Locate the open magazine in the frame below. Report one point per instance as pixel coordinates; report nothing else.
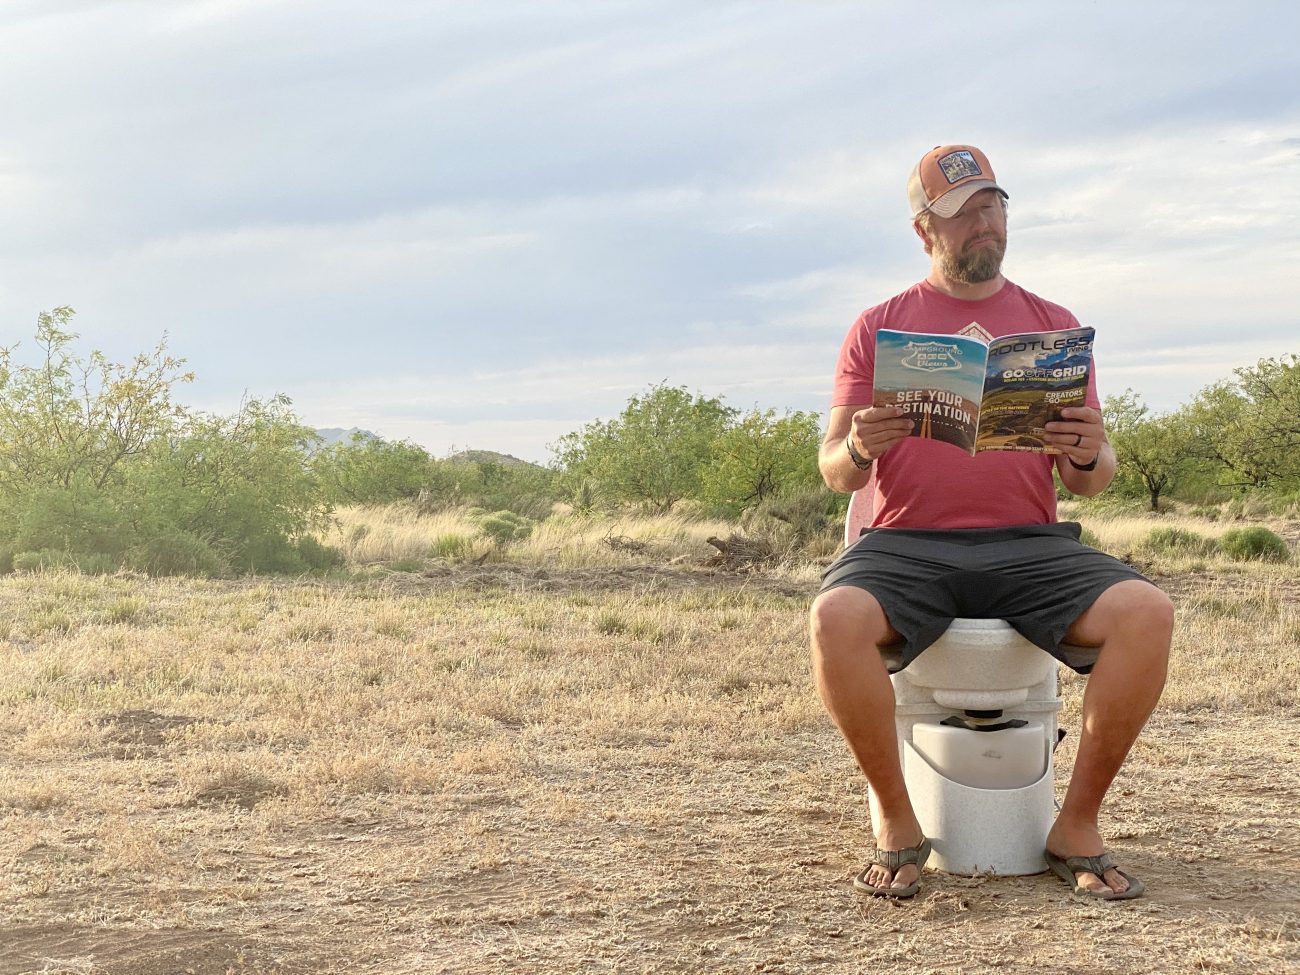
(978, 396)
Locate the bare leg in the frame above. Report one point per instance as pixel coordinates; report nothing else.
(1132, 622)
(848, 628)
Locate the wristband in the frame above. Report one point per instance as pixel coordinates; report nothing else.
(860, 462)
(1091, 465)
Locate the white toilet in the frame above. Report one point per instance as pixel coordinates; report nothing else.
(982, 784)
(977, 724)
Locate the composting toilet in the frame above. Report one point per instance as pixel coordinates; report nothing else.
(976, 714)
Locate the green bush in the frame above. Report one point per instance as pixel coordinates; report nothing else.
(318, 557)
(505, 526)
(75, 518)
(370, 470)
(1176, 541)
(241, 481)
(1255, 543)
(177, 553)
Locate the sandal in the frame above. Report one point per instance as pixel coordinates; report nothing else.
(1068, 868)
(893, 860)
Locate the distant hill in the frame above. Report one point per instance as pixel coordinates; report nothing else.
(491, 456)
(332, 435)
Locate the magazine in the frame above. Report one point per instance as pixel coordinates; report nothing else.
(983, 396)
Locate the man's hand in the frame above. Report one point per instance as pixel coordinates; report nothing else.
(1079, 434)
(878, 428)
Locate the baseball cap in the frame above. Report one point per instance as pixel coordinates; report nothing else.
(948, 176)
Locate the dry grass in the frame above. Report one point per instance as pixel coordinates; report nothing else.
(399, 533)
(544, 765)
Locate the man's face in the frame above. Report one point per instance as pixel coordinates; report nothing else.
(969, 247)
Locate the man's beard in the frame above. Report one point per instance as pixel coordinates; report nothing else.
(979, 265)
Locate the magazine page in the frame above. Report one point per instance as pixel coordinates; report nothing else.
(1029, 378)
(936, 379)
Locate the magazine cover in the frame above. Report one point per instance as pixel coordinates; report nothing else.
(1029, 378)
(979, 397)
(938, 380)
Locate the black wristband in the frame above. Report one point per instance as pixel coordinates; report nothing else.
(860, 462)
(1091, 465)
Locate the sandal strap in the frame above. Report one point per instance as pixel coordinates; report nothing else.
(1097, 865)
(891, 860)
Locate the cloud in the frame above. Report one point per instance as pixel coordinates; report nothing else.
(505, 218)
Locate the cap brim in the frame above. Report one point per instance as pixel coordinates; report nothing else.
(952, 201)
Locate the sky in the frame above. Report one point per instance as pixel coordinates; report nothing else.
(480, 224)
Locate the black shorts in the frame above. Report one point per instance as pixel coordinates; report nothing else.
(1039, 578)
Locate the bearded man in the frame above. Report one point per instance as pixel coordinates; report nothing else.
(952, 535)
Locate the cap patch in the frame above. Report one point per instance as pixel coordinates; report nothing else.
(958, 165)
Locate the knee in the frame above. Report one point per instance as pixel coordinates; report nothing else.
(1154, 611)
(844, 619)
(1143, 609)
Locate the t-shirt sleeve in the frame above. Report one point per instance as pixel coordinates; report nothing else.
(856, 366)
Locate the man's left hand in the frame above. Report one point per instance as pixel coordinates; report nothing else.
(1078, 433)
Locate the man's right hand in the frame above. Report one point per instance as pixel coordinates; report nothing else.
(878, 428)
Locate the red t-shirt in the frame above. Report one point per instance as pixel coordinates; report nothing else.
(928, 483)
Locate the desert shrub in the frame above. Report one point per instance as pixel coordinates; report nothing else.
(99, 461)
(760, 456)
(1254, 543)
(242, 481)
(72, 518)
(1089, 537)
(1176, 541)
(505, 526)
(798, 519)
(493, 482)
(653, 455)
(317, 556)
(177, 553)
(371, 470)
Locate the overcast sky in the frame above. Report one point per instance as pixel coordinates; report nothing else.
(483, 224)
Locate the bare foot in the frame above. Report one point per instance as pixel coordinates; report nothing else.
(890, 837)
(1068, 839)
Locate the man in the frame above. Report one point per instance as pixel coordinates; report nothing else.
(941, 521)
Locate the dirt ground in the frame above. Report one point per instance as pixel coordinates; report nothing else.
(712, 830)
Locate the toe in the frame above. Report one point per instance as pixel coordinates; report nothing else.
(1116, 881)
(879, 876)
(1091, 882)
(907, 875)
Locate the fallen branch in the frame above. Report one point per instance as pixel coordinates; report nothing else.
(622, 543)
(738, 552)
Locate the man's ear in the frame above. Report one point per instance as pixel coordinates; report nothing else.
(920, 232)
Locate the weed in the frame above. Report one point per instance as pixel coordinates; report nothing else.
(1254, 543)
